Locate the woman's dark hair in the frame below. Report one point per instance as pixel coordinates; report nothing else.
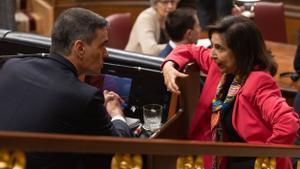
(74, 24)
(247, 44)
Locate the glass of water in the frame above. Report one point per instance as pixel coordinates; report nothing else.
(152, 116)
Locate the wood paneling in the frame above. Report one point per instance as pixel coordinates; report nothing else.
(292, 26)
(290, 2)
(42, 11)
(105, 7)
(46, 142)
(292, 19)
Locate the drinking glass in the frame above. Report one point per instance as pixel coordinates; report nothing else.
(152, 116)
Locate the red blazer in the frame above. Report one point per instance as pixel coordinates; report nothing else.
(260, 113)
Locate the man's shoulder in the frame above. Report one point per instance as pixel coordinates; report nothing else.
(20, 64)
(45, 70)
(18, 60)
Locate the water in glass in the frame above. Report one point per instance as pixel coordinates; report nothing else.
(152, 116)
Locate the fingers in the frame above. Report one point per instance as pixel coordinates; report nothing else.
(171, 84)
(182, 75)
(112, 96)
(122, 101)
(174, 88)
(170, 76)
(118, 97)
(112, 93)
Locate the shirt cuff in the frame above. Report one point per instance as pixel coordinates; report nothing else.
(118, 117)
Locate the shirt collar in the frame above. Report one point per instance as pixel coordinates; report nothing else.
(61, 59)
(172, 44)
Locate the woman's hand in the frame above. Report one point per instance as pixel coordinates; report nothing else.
(170, 75)
(113, 103)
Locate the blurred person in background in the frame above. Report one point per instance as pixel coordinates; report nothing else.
(182, 26)
(148, 33)
(211, 10)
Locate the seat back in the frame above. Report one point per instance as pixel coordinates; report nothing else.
(120, 25)
(269, 17)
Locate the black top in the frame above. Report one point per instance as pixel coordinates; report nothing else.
(231, 135)
(45, 95)
(163, 37)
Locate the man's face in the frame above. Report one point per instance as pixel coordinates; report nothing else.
(94, 53)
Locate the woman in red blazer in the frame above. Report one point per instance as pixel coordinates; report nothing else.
(240, 99)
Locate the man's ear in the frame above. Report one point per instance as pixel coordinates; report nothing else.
(79, 48)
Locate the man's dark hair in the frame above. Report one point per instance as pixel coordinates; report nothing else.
(247, 44)
(74, 24)
(179, 21)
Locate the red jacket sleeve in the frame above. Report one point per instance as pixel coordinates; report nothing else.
(184, 54)
(275, 111)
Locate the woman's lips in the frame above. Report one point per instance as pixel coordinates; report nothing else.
(219, 64)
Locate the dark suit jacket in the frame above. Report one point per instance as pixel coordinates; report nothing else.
(45, 95)
(165, 52)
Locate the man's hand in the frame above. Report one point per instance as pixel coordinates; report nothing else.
(113, 103)
(170, 75)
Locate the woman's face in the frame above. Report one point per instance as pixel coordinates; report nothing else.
(163, 7)
(222, 55)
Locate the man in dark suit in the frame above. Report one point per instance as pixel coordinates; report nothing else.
(182, 26)
(45, 94)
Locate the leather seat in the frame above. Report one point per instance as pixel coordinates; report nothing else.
(269, 17)
(120, 25)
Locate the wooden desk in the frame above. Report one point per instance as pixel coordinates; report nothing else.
(284, 56)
